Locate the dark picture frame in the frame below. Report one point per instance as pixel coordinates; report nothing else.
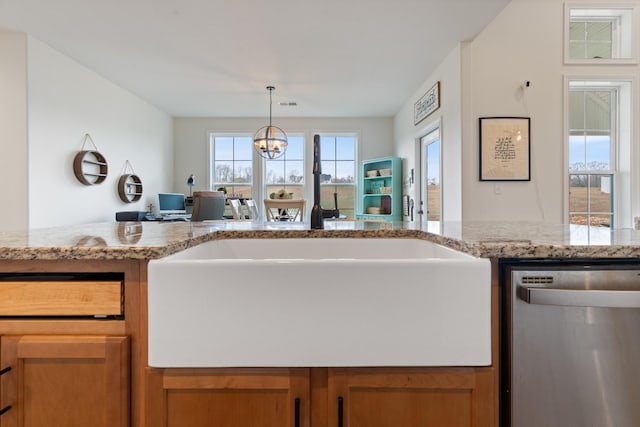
(505, 148)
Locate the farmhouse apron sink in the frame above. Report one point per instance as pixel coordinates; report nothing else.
(319, 302)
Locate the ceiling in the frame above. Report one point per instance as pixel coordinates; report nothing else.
(203, 58)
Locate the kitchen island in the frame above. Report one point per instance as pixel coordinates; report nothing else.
(51, 341)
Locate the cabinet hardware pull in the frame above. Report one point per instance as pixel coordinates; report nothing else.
(5, 409)
(296, 419)
(340, 410)
(5, 370)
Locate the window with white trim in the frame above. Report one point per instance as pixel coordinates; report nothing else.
(232, 164)
(338, 183)
(598, 118)
(596, 33)
(287, 171)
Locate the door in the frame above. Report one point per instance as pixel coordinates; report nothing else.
(430, 210)
(70, 381)
(410, 397)
(274, 397)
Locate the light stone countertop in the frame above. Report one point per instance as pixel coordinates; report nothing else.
(150, 240)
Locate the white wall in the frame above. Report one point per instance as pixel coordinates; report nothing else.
(13, 131)
(523, 43)
(67, 100)
(191, 140)
(448, 116)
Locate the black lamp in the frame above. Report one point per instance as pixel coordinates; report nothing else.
(190, 182)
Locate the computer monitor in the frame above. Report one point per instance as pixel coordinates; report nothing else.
(171, 203)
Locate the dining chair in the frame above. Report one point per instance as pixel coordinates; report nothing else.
(284, 209)
(252, 209)
(236, 208)
(207, 205)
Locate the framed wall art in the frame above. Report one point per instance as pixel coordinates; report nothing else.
(426, 105)
(505, 151)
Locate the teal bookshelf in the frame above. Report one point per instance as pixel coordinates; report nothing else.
(380, 189)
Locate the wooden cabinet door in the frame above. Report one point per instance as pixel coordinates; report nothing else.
(70, 381)
(409, 397)
(275, 397)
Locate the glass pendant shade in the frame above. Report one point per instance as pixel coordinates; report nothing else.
(270, 141)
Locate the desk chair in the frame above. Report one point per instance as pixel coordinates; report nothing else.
(207, 205)
(284, 209)
(236, 208)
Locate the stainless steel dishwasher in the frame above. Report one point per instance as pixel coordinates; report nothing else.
(571, 345)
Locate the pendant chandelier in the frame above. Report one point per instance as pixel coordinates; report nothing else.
(270, 141)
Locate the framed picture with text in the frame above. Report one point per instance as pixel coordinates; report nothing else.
(505, 151)
(426, 105)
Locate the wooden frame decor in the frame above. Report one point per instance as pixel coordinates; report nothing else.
(505, 150)
(89, 166)
(426, 105)
(129, 185)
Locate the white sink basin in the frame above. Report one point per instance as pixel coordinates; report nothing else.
(319, 302)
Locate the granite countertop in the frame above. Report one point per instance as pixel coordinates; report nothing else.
(150, 240)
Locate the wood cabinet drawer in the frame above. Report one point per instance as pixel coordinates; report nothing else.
(61, 298)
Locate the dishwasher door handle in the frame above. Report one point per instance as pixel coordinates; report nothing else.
(579, 297)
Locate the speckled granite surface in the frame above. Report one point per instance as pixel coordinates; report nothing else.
(149, 240)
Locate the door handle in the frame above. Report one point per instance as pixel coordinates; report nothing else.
(296, 412)
(579, 297)
(340, 411)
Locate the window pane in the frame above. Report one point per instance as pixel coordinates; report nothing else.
(295, 148)
(223, 148)
(433, 181)
(599, 31)
(345, 148)
(597, 106)
(578, 193)
(600, 193)
(577, 30)
(223, 172)
(598, 152)
(345, 172)
(242, 172)
(328, 172)
(600, 220)
(577, 149)
(243, 148)
(576, 109)
(579, 219)
(274, 172)
(327, 148)
(294, 172)
(345, 195)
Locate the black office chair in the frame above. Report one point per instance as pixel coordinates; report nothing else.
(208, 205)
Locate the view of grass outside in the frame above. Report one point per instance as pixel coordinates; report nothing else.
(433, 202)
(591, 164)
(590, 200)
